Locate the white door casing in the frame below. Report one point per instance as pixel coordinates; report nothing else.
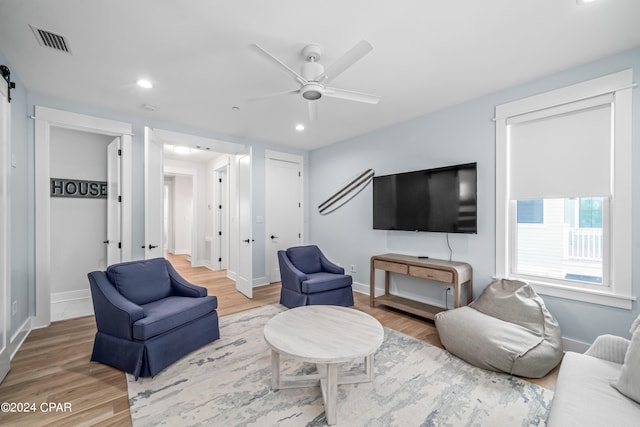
(284, 195)
(5, 262)
(114, 239)
(45, 119)
(244, 277)
(153, 196)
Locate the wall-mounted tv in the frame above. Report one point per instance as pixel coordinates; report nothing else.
(441, 200)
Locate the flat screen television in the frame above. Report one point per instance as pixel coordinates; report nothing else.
(441, 200)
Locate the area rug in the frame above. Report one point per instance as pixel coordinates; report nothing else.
(227, 383)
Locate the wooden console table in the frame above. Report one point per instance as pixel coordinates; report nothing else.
(454, 273)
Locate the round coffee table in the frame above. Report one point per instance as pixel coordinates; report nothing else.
(325, 335)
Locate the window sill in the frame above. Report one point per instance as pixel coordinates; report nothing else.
(592, 296)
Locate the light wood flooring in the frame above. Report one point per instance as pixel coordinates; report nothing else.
(53, 364)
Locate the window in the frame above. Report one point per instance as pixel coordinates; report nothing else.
(530, 211)
(563, 199)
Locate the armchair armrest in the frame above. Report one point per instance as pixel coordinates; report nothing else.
(114, 313)
(181, 287)
(330, 267)
(609, 347)
(290, 276)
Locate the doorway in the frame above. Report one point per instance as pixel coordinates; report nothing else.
(212, 166)
(79, 241)
(46, 120)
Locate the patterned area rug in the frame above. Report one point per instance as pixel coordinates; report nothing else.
(227, 383)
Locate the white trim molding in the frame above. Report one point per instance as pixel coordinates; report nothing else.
(618, 292)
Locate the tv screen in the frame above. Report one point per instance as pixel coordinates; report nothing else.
(441, 200)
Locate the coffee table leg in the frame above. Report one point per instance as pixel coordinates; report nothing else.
(275, 370)
(368, 367)
(330, 409)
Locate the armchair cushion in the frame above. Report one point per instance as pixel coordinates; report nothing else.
(163, 315)
(322, 282)
(305, 258)
(141, 282)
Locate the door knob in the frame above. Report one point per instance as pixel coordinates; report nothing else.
(273, 237)
(150, 246)
(247, 240)
(106, 242)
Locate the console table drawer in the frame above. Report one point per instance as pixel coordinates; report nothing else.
(391, 266)
(430, 273)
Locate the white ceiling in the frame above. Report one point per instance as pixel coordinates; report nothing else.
(427, 55)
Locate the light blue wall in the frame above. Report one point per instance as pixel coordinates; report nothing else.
(461, 134)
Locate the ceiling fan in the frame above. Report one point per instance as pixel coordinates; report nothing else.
(313, 77)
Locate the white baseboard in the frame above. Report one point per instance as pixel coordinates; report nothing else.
(573, 345)
(18, 338)
(259, 281)
(71, 304)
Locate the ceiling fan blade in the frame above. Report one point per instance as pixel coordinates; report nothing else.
(271, 95)
(350, 95)
(313, 110)
(345, 61)
(260, 50)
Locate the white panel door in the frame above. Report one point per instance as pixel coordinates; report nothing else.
(5, 264)
(284, 210)
(113, 241)
(153, 196)
(245, 270)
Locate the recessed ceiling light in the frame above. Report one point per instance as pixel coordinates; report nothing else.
(180, 149)
(300, 127)
(145, 83)
(581, 2)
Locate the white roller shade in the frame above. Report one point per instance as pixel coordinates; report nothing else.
(563, 151)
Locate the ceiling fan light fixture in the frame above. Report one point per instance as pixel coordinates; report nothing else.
(312, 91)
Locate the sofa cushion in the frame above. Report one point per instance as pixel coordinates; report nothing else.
(583, 396)
(305, 258)
(171, 312)
(322, 282)
(141, 282)
(629, 381)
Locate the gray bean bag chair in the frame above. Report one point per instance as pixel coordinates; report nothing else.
(507, 329)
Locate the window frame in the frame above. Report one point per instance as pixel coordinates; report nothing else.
(617, 292)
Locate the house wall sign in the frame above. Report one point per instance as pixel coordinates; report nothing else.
(78, 188)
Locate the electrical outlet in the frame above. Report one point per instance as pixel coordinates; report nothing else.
(14, 308)
(353, 268)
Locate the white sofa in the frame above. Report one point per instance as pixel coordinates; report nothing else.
(590, 386)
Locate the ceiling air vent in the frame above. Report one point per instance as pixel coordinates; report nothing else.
(49, 39)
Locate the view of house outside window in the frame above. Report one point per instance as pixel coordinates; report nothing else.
(560, 239)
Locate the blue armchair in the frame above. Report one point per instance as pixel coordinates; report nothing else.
(148, 316)
(309, 278)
